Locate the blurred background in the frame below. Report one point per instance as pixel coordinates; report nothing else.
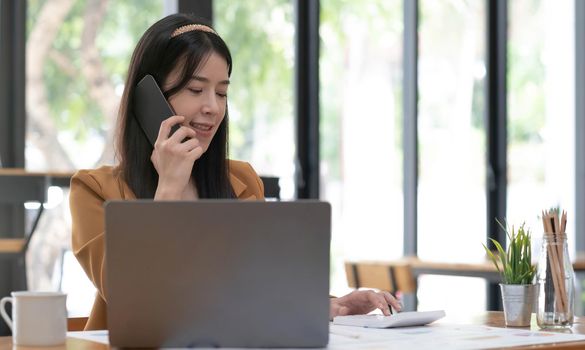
(398, 125)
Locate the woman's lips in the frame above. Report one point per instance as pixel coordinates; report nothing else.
(202, 129)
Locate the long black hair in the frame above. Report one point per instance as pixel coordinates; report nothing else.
(158, 54)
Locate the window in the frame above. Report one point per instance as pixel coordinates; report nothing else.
(541, 114)
(451, 190)
(77, 55)
(261, 89)
(361, 130)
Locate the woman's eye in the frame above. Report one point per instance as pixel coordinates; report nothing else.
(221, 94)
(195, 91)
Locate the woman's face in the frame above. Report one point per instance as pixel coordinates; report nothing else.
(204, 99)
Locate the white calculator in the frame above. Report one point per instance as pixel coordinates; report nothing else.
(401, 319)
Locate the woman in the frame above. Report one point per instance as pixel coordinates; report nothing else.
(192, 65)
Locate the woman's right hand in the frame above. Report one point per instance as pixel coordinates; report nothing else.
(174, 159)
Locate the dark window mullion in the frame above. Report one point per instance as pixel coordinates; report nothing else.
(580, 124)
(496, 127)
(410, 135)
(307, 97)
(12, 131)
(201, 8)
(410, 126)
(12, 77)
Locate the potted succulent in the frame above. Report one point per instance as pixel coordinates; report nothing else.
(517, 272)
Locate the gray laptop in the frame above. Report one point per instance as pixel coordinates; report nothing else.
(218, 273)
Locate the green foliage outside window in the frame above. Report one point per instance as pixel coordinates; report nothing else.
(260, 35)
(68, 92)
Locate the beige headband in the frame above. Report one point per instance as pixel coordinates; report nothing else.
(192, 27)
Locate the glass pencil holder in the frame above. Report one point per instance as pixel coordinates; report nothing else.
(556, 286)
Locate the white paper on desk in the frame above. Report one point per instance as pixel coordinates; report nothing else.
(436, 336)
(94, 336)
(441, 336)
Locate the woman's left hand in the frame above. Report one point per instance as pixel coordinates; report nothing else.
(362, 302)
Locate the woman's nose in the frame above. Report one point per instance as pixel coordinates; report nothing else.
(211, 104)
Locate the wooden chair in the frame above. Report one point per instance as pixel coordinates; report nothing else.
(76, 323)
(392, 277)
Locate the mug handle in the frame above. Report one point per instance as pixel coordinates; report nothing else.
(3, 312)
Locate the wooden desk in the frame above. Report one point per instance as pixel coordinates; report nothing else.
(490, 318)
(401, 275)
(55, 178)
(485, 269)
(71, 344)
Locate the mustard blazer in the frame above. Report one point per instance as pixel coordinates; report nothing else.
(90, 189)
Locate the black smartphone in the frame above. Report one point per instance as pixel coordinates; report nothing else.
(151, 108)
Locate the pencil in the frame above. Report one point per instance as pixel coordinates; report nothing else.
(554, 231)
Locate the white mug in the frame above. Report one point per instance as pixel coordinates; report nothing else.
(38, 318)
